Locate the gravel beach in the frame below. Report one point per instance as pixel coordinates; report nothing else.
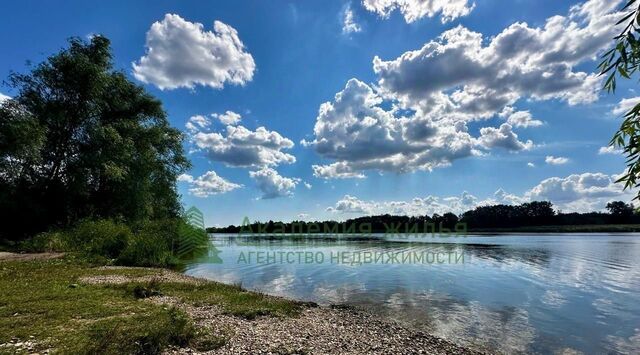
(316, 330)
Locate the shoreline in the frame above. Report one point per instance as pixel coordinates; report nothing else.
(318, 329)
(226, 319)
(533, 230)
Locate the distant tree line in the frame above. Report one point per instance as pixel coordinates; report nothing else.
(531, 214)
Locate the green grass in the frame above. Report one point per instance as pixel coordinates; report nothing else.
(45, 300)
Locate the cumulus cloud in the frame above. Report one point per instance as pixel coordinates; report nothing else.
(413, 10)
(351, 204)
(485, 75)
(580, 192)
(3, 98)
(609, 150)
(349, 24)
(272, 184)
(419, 205)
(197, 122)
(550, 159)
(355, 130)
(502, 137)
(339, 170)
(625, 105)
(227, 118)
(416, 116)
(239, 146)
(522, 119)
(208, 184)
(574, 193)
(531, 165)
(180, 53)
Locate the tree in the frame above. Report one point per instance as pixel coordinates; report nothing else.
(81, 140)
(623, 60)
(619, 208)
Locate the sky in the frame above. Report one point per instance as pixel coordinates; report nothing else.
(319, 110)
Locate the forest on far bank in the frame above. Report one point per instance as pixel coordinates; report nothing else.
(533, 216)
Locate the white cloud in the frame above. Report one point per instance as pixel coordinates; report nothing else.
(339, 170)
(522, 119)
(3, 98)
(356, 131)
(241, 147)
(418, 206)
(550, 159)
(502, 137)
(580, 192)
(531, 165)
(303, 216)
(307, 185)
(609, 150)
(272, 184)
(227, 118)
(416, 117)
(208, 184)
(625, 105)
(519, 62)
(350, 204)
(349, 24)
(413, 10)
(574, 193)
(195, 123)
(180, 53)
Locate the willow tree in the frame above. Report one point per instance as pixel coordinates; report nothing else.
(623, 61)
(79, 140)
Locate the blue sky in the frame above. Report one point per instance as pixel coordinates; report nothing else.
(431, 127)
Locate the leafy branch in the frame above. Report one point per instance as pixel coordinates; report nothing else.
(623, 60)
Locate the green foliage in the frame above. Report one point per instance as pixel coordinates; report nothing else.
(623, 60)
(157, 243)
(79, 140)
(101, 238)
(147, 250)
(46, 242)
(620, 211)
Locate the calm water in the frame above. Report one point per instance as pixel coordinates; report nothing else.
(534, 294)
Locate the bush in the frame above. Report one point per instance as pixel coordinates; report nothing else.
(152, 245)
(46, 242)
(147, 250)
(157, 243)
(100, 238)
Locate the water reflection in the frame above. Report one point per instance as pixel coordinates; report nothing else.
(516, 294)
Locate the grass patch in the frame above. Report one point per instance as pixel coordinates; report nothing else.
(233, 299)
(44, 299)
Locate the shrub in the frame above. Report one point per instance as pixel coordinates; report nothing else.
(161, 243)
(152, 245)
(157, 243)
(46, 242)
(100, 238)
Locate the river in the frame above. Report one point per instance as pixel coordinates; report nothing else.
(550, 293)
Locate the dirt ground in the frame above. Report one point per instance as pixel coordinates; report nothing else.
(6, 256)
